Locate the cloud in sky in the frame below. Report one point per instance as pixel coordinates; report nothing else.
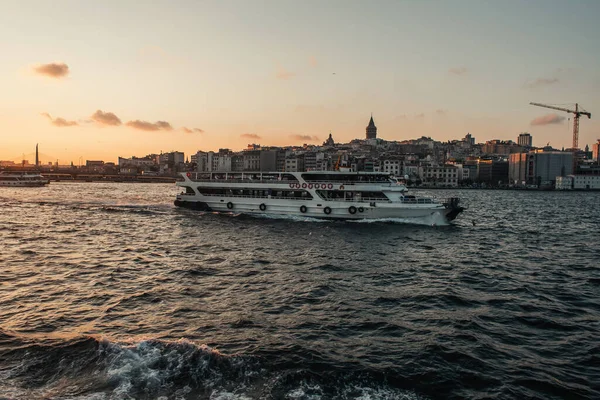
(60, 122)
(458, 70)
(192, 130)
(106, 118)
(440, 111)
(548, 119)
(284, 74)
(305, 138)
(149, 126)
(540, 82)
(52, 70)
(419, 116)
(250, 136)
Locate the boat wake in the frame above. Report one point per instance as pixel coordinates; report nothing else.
(90, 368)
(431, 220)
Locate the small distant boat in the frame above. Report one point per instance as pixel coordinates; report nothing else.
(22, 179)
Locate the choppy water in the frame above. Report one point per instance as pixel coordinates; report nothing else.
(107, 291)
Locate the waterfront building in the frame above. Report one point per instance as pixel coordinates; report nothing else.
(251, 160)
(371, 129)
(446, 175)
(392, 166)
(172, 158)
(137, 162)
(501, 147)
(578, 182)
(525, 140)
(94, 166)
(294, 164)
(596, 152)
(493, 172)
(310, 160)
(539, 167)
(268, 160)
(237, 162)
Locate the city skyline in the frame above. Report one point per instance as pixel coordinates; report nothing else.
(99, 81)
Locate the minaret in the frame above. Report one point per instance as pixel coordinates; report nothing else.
(371, 129)
(37, 157)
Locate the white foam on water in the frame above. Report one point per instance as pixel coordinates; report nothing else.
(297, 218)
(224, 395)
(305, 391)
(435, 219)
(147, 365)
(381, 393)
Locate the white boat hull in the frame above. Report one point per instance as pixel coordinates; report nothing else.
(317, 209)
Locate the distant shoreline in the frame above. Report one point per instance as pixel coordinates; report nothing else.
(113, 179)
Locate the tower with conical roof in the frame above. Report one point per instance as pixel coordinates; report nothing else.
(371, 129)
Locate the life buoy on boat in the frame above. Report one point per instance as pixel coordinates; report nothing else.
(330, 186)
(189, 174)
(360, 209)
(352, 210)
(341, 187)
(292, 185)
(327, 210)
(310, 186)
(303, 209)
(304, 185)
(262, 207)
(230, 205)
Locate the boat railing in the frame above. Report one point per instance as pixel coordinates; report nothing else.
(352, 183)
(360, 199)
(419, 200)
(245, 180)
(201, 177)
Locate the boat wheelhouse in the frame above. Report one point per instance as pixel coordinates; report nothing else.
(22, 179)
(319, 194)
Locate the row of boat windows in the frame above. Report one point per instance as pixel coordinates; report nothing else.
(291, 178)
(288, 193)
(345, 178)
(238, 176)
(340, 194)
(298, 194)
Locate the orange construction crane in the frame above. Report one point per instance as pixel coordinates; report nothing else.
(577, 111)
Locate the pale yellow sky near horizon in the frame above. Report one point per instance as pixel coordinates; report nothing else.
(201, 75)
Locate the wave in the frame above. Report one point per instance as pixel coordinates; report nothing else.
(91, 368)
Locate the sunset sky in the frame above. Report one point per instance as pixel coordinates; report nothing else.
(103, 79)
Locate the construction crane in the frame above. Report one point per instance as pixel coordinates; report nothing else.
(577, 111)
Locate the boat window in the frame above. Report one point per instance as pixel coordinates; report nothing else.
(288, 177)
(350, 177)
(341, 195)
(290, 194)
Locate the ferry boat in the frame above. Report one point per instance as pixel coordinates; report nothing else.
(319, 194)
(22, 179)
